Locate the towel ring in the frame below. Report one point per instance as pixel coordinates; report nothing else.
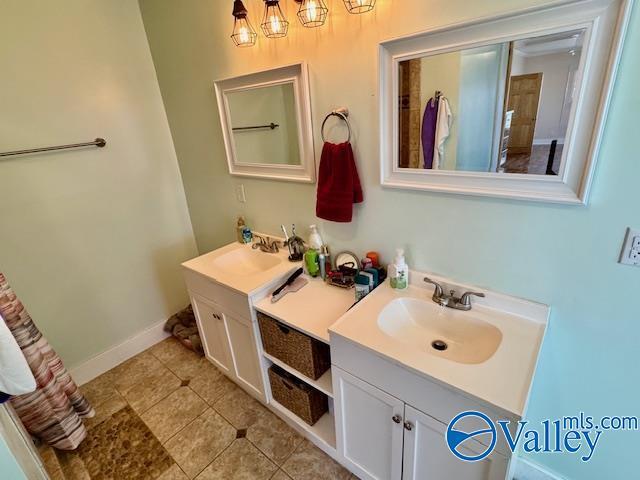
(341, 113)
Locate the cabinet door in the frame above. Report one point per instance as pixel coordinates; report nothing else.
(368, 428)
(245, 353)
(427, 456)
(214, 334)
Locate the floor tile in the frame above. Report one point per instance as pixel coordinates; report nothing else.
(174, 473)
(183, 362)
(155, 386)
(273, 437)
(173, 413)
(310, 463)
(100, 389)
(49, 459)
(211, 384)
(281, 475)
(239, 408)
(197, 444)
(121, 447)
(105, 409)
(135, 370)
(72, 466)
(241, 461)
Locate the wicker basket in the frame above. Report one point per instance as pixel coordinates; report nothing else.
(305, 401)
(301, 352)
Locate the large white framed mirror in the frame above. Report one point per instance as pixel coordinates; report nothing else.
(266, 124)
(510, 107)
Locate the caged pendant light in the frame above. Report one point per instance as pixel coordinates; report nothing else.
(312, 13)
(359, 6)
(274, 23)
(243, 33)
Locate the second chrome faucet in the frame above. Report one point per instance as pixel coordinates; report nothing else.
(451, 300)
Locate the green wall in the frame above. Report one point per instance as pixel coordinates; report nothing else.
(560, 255)
(91, 240)
(8, 465)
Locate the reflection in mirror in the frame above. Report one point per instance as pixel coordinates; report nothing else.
(264, 125)
(502, 108)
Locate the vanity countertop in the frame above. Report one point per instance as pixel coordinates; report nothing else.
(312, 309)
(242, 268)
(503, 380)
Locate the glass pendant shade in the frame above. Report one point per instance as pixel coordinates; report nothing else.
(274, 24)
(243, 33)
(312, 13)
(359, 6)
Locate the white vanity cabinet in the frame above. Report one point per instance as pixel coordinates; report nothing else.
(391, 422)
(369, 428)
(426, 455)
(212, 329)
(228, 331)
(379, 437)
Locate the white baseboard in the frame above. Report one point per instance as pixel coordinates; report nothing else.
(527, 470)
(117, 354)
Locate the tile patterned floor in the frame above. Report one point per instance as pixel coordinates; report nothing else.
(171, 415)
(535, 163)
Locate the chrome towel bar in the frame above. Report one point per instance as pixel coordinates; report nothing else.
(98, 142)
(256, 127)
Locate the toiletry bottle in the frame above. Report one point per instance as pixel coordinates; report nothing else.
(240, 225)
(247, 235)
(399, 271)
(327, 260)
(322, 262)
(374, 257)
(311, 262)
(315, 240)
(361, 287)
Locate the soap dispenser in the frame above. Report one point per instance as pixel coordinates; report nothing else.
(315, 240)
(399, 271)
(243, 232)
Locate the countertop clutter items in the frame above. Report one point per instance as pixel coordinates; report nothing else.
(243, 232)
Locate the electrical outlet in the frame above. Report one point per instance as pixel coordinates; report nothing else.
(630, 254)
(240, 196)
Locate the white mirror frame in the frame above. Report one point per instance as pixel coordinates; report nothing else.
(296, 74)
(605, 22)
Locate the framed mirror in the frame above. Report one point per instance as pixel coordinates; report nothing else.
(510, 107)
(266, 123)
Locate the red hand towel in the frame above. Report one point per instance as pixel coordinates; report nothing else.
(338, 183)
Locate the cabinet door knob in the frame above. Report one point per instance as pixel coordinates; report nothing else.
(408, 426)
(396, 418)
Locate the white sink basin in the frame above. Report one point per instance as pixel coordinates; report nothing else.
(245, 262)
(459, 336)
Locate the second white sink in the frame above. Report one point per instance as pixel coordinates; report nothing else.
(245, 261)
(455, 335)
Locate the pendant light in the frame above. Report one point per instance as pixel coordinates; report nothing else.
(243, 33)
(312, 13)
(274, 23)
(359, 6)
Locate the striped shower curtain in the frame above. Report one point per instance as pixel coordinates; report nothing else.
(53, 413)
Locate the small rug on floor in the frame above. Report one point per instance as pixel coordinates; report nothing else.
(121, 447)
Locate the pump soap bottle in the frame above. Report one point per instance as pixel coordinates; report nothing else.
(399, 271)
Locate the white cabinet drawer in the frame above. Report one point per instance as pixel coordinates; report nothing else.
(229, 300)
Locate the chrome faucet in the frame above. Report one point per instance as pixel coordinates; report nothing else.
(265, 244)
(450, 300)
